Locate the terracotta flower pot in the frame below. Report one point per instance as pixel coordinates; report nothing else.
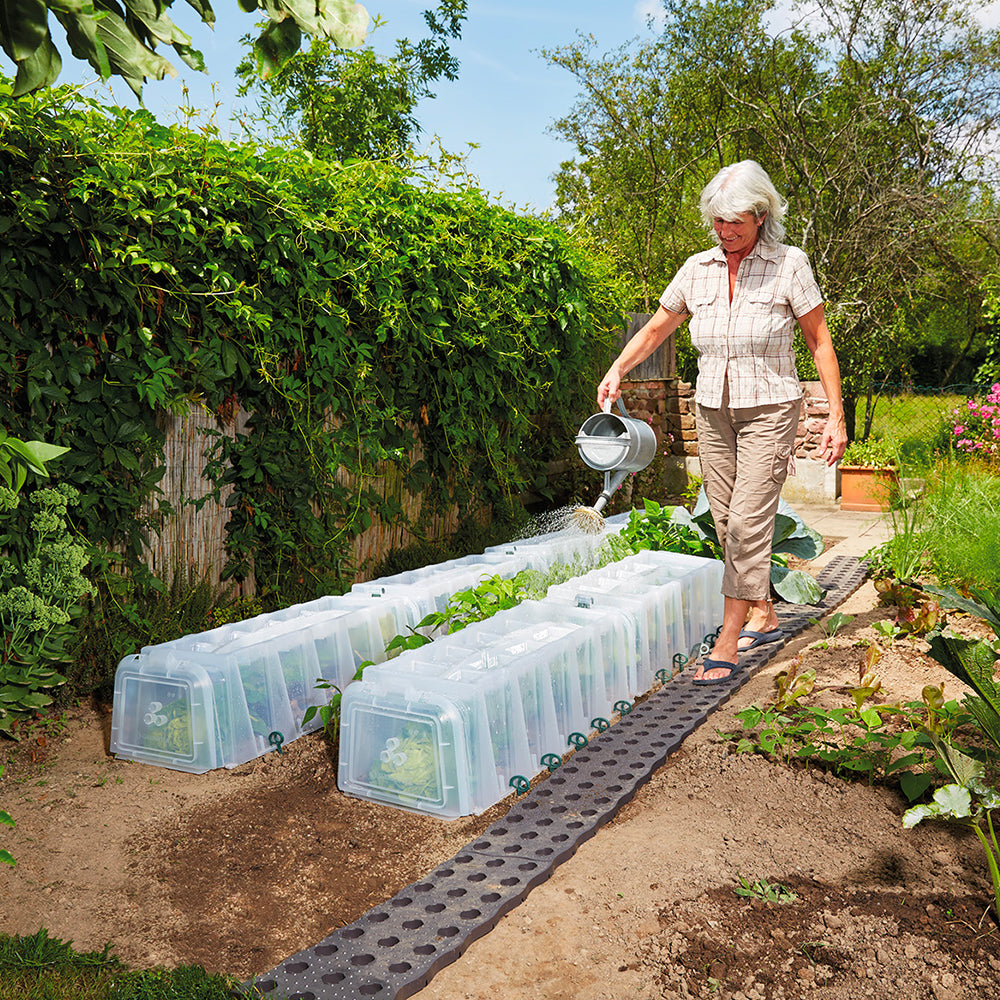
(865, 487)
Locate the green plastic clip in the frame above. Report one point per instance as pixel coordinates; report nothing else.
(679, 660)
(276, 739)
(520, 784)
(661, 676)
(624, 707)
(552, 761)
(600, 724)
(577, 740)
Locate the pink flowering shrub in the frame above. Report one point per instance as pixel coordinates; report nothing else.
(977, 426)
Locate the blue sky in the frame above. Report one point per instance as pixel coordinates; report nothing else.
(504, 100)
(506, 97)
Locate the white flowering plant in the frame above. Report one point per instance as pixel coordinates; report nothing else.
(41, 583)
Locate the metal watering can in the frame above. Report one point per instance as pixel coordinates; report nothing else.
(615, 445)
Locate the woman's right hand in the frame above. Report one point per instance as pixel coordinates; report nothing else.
(610, 388)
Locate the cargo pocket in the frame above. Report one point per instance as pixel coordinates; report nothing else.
(781, 462)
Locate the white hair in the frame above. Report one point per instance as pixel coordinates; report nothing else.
(745, 187)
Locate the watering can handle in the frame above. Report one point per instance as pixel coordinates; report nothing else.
(621, 405)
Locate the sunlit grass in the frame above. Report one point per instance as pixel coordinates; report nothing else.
(42, 968)
(919, 426)
(960, 523)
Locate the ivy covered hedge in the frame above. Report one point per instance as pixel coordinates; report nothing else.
(348, 308)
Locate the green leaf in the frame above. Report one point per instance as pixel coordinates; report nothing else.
(963, 768)
(153, 16)
(795, 585)
(40, 69)
(986, 607)
(275, 45)
(971, 661)
(914, 785)
(953, 800)
(23, 27)
(36, 453)
(36, 700)
(105, 41)
(871, 718)
(343, 21)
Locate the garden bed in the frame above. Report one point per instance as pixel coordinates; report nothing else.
(236, 870)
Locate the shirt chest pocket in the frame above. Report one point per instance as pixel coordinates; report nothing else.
(767, 301)
(761, 299)
(705, 304)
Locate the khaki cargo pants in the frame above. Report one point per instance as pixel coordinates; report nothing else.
(745, 454)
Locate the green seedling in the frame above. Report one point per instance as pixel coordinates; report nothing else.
(792, 685)
(888, 630)
(856, 740)
(830, 626)
(765, 891)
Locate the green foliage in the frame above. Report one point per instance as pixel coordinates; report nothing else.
(352, 313)
(352, 103)
(972, 661)
(873, 452)
(123, 41)
(832, 625)
(692, 490)
(39, 967)
(655, 528)
(967, 799)
(766, 892)
(880, 742)
(959, 521)
(41, 584)
(945, 533)
(475, 604)
(18, 458)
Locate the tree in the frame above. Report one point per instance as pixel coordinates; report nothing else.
(121, 39)
(878, 122)
(352, 103)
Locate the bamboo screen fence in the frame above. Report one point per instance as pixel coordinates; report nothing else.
(197, 537)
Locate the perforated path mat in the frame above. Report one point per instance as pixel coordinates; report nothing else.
(394, 950)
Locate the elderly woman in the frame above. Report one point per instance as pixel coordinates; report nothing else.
(744, 297)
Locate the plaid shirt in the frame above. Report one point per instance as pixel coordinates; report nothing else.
(748, 341)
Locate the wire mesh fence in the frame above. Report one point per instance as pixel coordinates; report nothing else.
(917, 422)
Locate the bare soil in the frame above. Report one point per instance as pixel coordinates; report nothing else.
(237, 870)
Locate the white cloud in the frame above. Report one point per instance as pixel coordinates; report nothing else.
(989, 15)
(650, 11)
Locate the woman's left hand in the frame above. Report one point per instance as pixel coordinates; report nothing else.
(833, 443)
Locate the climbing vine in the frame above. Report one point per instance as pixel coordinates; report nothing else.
(352, 311)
